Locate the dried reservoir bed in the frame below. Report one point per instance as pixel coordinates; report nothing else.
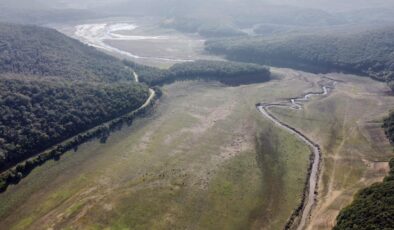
(205, 159)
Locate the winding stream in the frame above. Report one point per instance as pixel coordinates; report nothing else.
(310, 191)
(96, 35)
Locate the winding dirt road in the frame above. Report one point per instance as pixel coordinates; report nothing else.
(311, 188)
(152, 94)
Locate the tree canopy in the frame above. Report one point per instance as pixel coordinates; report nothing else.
(366, 53)
(33, 50)
(36, 113)
(53, 87)
(230, 73)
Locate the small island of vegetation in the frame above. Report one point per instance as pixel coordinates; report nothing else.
(228, 73)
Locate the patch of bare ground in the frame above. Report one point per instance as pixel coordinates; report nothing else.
(77, 206)
(209, 118)
(240, 141)
(358, 157)
(243, 141)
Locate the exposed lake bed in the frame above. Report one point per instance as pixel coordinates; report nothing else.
(205, 158)
(142, 40)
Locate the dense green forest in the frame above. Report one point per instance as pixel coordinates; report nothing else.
(36, 113)
(367, 53)
(230, 73)
(33, 50)
(53, 88)
(373, 207)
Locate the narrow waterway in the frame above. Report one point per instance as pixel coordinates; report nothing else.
(313, 176)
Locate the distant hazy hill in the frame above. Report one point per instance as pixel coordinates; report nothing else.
(369, 53)
(53, 87)
(333, 5)
(41, 12)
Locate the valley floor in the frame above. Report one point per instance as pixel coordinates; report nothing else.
(347, 125)
(207, 159)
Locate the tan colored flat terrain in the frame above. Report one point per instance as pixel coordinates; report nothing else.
(347, 125)
(207, 159)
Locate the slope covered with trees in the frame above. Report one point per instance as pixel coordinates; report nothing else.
(36, 113)
(367, 53)
(53, 87)
(33, 50)
(230, 73)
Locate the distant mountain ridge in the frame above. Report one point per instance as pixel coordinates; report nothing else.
(368, 52)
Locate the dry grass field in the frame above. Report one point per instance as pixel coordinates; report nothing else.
(207, 159)
(347, 125)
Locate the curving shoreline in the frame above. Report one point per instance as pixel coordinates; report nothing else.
(96, 34)
(300, 216)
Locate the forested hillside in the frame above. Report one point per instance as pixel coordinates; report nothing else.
(230, 73)
(53, 87)
(33, 50)
(36, 114)
(368, 53)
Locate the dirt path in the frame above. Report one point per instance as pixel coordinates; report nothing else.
(152, 94)
(300, 219)
(136, 77)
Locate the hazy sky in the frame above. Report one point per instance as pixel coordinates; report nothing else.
(208, 9)
(336, 5)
